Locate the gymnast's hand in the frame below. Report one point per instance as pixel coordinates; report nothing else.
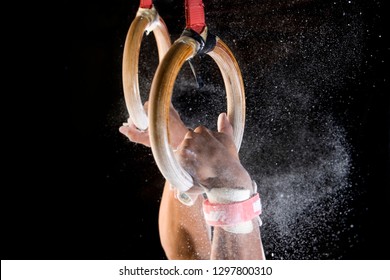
(177, 129)
(211, 158)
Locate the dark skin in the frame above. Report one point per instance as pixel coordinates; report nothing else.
(211, 158)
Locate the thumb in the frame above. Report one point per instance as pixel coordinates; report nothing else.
(224, 125)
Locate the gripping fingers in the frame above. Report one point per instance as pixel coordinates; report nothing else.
(224, 125)
(187, 159)
(203, 130)
(134, 134)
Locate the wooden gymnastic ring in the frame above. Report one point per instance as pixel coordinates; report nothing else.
(160, 99)
(145, 20)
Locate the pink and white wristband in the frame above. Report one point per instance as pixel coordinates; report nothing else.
(232, 209)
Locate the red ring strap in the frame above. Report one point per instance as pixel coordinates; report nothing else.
(195, 18)
(146, 4)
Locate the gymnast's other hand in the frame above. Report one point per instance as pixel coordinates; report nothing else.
(177, 129)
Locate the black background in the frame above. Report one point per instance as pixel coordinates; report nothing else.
(86, 192)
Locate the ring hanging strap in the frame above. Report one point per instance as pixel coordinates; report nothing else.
(146, 4)
(195, 18)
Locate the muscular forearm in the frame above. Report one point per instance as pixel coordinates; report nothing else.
(233, 246)
(183, 231)
(241, 241)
